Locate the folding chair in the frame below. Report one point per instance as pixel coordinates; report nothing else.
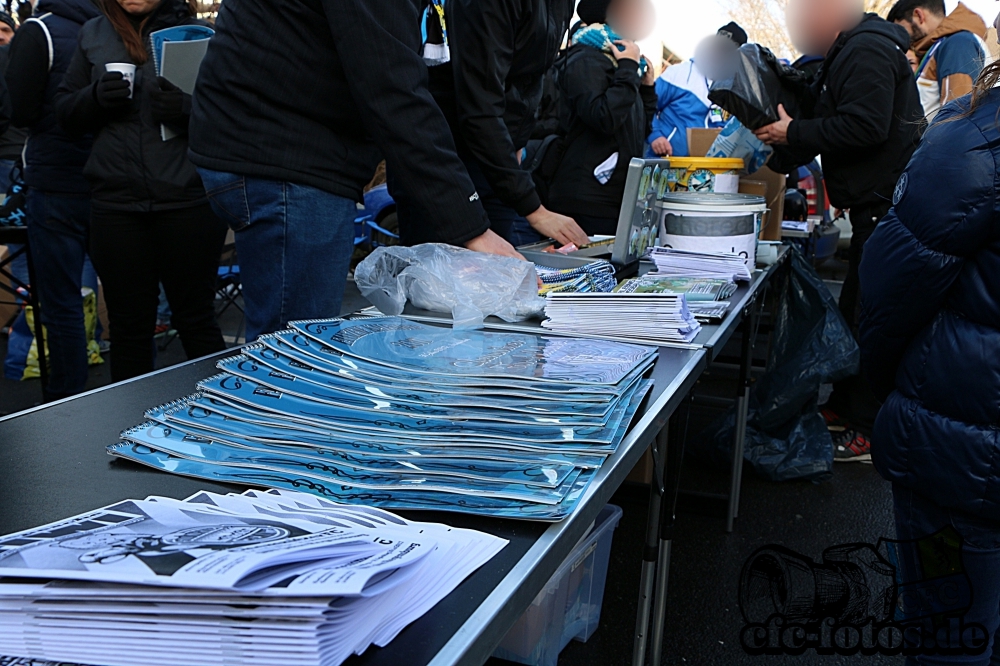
(19, 236)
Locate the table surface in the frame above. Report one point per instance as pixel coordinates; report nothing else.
(53, 465)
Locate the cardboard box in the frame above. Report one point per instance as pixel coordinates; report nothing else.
(700, 140)
(772, 186)
(643, 471)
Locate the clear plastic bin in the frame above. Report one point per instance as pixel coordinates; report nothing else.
(569, 606)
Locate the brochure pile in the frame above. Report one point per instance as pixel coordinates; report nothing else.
(266, 578)
(648, 318)
(396, 414)
(682, 263)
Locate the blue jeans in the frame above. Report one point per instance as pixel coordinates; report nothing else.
(294, 245)
(918, 517)
(58, 231)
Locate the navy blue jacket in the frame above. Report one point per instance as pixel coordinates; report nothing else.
(930, 323)
(39, 57)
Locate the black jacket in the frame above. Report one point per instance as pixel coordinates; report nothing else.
(131, 168)
(605, 110)
(500, 51)
(868, 118)
(317, 91)
(40, 55)
(12, 141)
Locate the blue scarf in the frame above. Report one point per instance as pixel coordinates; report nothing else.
(601, 37)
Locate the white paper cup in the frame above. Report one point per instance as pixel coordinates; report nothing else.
(127, 70)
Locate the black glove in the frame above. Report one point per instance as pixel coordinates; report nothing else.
(112, 91)
(169, 103)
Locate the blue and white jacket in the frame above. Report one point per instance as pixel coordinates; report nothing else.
(682, 103)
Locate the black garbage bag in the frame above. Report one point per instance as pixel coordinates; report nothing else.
(786, 436)
(756, 82)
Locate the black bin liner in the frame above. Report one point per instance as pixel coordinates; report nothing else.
(787, 438)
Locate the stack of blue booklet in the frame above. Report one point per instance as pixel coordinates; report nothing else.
(395, 414)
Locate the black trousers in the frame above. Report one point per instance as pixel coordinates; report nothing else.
(863, 223)
(133, 253)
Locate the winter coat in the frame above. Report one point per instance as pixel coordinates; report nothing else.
(131, 168)
(867, 121)
(930, 319)
(605, 111)
(40, 54)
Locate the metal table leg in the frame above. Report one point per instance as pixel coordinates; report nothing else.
(36, 310)
(742, 406)
(668, 515)
(650, 549)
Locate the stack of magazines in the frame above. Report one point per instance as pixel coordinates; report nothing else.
(718, 266)
(598, 276)
(268, 578)
(648, 318)
(396, 414)
(694, 289)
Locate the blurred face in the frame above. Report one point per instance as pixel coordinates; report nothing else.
(814, 25)
(632, 19)
(911, 58)
(139, 7)
(6, 34)
(716, 57)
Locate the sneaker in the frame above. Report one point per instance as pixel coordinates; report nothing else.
(161, 329)
(851, 446)
(105, 346)
(834, 423)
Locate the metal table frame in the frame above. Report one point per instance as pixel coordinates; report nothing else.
(19, 236)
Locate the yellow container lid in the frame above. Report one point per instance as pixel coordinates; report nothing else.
(712, 163)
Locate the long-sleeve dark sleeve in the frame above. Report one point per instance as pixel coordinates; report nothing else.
(378, 43)
(649, 105)
(27, 74)
(77, 110)
(482, 50)
(863, 111)
(601, 105)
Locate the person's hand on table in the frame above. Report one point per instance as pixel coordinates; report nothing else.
(776, 134)
(662, 147)
(559, 227)
(491, 243)
(630, 52)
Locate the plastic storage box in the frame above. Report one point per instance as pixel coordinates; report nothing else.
(569, 606)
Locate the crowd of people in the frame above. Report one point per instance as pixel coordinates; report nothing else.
(296, 104)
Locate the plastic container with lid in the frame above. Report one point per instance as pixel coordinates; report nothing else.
(705, 174)
(702, 222)
(569, 606)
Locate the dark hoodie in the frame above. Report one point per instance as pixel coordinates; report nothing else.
(867, 122)
(54, 161)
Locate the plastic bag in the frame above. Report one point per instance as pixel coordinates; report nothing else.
(755, 83)
(737, 141)
(442, 278)
(812, 345)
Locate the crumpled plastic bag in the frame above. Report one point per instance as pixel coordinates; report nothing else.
(755, 83)
(737, 141)
(443, 278)
(787, 438)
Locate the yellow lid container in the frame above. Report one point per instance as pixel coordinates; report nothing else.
(723, 164)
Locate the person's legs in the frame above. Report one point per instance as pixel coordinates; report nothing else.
(19, 267)
(90, 280)
(918, 518)
(863, 223)
(123, 249)
(58, 234)
(188, 247)
(294, 245)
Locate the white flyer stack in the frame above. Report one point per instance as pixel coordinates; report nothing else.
(642, 318)
(682, 263)
(263, 578)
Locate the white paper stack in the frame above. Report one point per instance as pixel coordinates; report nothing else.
(681, 263)
(262, 578)
(628, 317)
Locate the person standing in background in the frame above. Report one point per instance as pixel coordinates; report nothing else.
(58, 200)
(949, 49)
(682, 101)
(11, 142)
(286, 143)
(150, 220)
(490, 89)
(7, 28)
(608, 104)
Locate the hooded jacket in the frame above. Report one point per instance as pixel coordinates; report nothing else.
(491, 89)
(930, 316)
(952, 56)
(40, 55)
(131, 168)
(866, 122)
(606, 111)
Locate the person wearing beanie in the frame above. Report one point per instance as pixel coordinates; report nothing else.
(7, 28)
(682, 100)
(608, 104)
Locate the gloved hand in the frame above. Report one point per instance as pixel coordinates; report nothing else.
(170, 104)
(112, 91)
